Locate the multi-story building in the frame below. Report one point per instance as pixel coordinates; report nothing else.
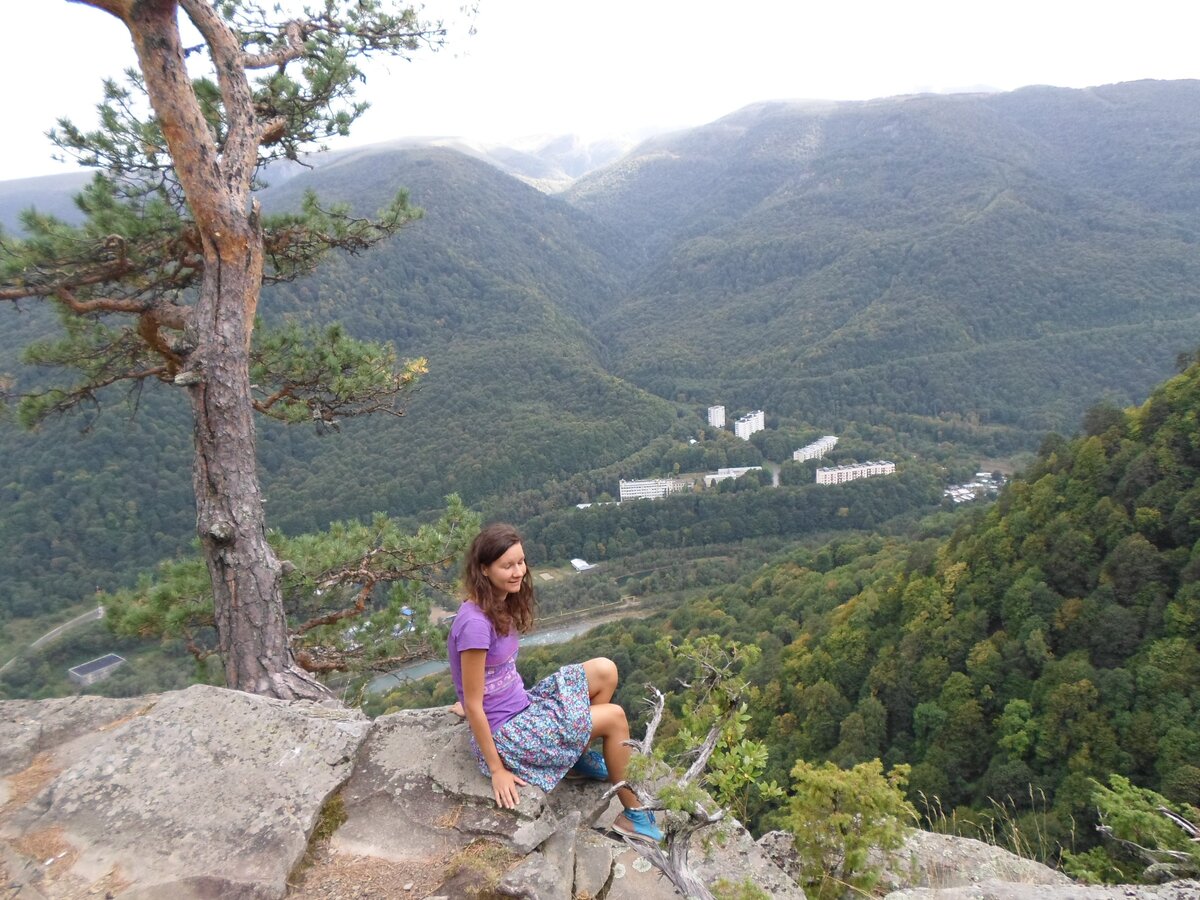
(749, 423)
(716, 416)
(816, 449)
(854, 471)
(650, 488)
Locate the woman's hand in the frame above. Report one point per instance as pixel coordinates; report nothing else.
(504, 788)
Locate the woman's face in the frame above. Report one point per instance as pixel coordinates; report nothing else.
(507, 572)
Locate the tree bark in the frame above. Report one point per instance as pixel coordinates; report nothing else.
(252, 632)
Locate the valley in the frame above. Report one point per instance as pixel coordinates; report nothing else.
(959, 284)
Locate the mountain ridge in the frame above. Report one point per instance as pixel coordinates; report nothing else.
(978, 265)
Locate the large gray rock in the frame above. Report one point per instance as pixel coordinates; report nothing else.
(207, 793)
(731, 855)
(1004, 890)
(214, 793)
(548, 874)
(929, 859)
(29, 727)
(593, 863)
(417, 793)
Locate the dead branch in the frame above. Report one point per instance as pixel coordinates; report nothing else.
(1164, 864)
(673, 863)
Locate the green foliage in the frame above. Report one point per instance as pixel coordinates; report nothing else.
(344, 592)
(1142, 844)
(304, 375)
(723, 889)
(838, 816)
(716, 696)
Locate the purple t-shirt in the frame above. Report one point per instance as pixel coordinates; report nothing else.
(503, 690)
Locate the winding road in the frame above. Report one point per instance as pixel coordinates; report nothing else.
(90, 616)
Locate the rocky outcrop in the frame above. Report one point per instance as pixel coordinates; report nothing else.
(934, 866)
(931, 860)
(1002, 890)
(197, 793)
(209, 793)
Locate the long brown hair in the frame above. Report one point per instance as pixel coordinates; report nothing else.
(507, 610)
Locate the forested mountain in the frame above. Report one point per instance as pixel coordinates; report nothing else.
(967, 270)
(497, 294)
(494, 287)
(1053, 640)
(998, 259)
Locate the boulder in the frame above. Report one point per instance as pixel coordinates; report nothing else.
(548, 874)
(929, 859)
(205, 793)
(1003, 890)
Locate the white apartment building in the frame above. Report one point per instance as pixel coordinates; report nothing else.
(649, 488)
(750, 423)
(816, 449)
(854, 471)
(729, 472)
(716, 416)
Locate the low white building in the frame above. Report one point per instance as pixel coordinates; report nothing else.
(726, 473)
(749, 424)
(581, 565)
(854, 471)
(716, 416)
(95, 670)
(649, 488)
(816, 449)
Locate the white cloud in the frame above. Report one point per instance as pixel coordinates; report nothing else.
(550, 66)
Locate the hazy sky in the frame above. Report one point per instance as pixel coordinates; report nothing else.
(628, 66)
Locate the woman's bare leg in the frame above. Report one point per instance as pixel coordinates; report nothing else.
(610, 725)
(601, 675)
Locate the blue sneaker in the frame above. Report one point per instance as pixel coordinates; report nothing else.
(591, 766)
(639, 825)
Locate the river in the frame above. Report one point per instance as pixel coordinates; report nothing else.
(414, 670)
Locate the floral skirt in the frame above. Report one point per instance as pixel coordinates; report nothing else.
(545, 739)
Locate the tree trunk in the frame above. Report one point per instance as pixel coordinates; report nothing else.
(252, 631)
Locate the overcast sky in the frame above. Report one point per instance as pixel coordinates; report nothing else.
(624, 67)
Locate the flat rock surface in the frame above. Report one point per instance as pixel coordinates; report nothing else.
(29, 727)
(205, 793)
(417, 793)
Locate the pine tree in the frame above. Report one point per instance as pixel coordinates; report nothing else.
(160, 284)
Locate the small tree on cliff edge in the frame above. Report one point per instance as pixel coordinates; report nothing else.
(161, 282)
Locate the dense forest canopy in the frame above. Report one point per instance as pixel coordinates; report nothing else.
(1052, 641)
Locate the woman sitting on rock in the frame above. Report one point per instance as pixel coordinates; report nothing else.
(537, 736)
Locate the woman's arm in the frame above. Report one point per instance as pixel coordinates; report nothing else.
(504, 782)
